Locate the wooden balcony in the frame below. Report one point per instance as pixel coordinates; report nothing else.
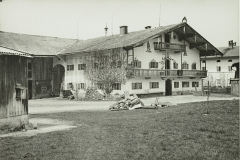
(169, 73)
(171, 46)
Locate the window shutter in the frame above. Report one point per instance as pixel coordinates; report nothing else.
(176, 65)
(140, 65)
(150, 65)
(156, 64)
(150, 85)
(132, 85)
(140, 85)
(119, 86)
(187, 66)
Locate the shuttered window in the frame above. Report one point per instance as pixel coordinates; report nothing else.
(176, 84)
(153, 65)
(154, 85)
(81, 66)
(195, 84)
(194, 66)
(116, 86)
(70, 67)
(136, 86)
(175, 65)
(184, 65)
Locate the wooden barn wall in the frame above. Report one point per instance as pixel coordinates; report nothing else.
(13, 70)
(41, 76)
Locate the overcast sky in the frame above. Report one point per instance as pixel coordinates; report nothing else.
(216, 20)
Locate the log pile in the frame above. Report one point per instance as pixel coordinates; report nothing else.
(127, 104)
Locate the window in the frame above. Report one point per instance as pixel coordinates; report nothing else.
(218, 61)
(229, 68)
(70, 67)
(116, 86)
(203, 61)
(229, 60)
(185, 65)
(136, 64)
(194, 66)
(81, 66)
(176, 84)
(29, 73)
(185, 84)
(175, 65)
(81, 86)
(136, 85)
(203, 68)
(70, 86)
(219, 68)
(195, 84)
(154, 84)
(153, 65)
(99, 86)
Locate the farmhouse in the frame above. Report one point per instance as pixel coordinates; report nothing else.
(166, 60)
(40, 72)
(13, 89)
(219, 68)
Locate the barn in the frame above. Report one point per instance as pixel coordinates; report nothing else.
(41, 74)
(13, 89)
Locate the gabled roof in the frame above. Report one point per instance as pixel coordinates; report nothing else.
(34, 45)
(230, 52)
(6, 51)
(134, 39)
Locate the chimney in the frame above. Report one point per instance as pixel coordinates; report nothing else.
(231, 44)
(123, 30)
(147, 27)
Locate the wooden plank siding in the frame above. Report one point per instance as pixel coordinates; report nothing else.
(41, 72)
(13, 71)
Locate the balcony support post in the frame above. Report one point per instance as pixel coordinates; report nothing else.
(205, 62)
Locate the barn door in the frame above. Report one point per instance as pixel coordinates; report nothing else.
(58, 77)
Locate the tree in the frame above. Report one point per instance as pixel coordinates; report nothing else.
(107, 68)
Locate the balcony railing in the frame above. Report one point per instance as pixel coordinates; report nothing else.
(194, 73)
(168, 73)
(172, 46)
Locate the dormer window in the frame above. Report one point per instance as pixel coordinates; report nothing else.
(229, 60)
(218, 60)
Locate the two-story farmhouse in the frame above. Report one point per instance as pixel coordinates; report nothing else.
(166, 59)
(219, 68)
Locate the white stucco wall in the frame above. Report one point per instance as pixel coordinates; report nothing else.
(76, 76)
(214, 75)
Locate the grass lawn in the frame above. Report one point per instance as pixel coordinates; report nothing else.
(178, 132)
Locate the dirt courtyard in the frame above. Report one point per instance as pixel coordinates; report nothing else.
(58, 104)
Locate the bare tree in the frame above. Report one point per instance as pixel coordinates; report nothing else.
(107, 68)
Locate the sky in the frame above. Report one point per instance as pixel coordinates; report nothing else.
(216, 20)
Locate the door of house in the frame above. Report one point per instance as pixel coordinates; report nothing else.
(168, 87)
(58, 76)
(167, 67)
